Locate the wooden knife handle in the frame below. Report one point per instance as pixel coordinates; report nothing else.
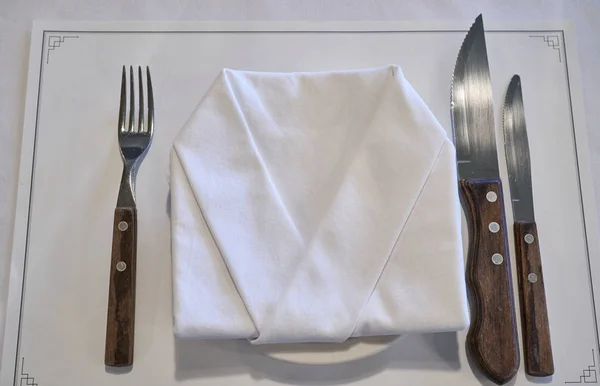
(121, 301)
(492, 338)
(534, 315)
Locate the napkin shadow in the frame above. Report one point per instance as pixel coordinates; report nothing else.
(207, 358)
(438, 351)
(435, 351)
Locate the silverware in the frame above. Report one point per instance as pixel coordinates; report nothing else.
(534, 315)
(134, 142)
(492, 338)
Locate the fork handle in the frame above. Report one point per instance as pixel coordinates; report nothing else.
(121, 300)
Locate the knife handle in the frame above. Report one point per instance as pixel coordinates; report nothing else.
(492, 338)
(534, 315)
(121, 300)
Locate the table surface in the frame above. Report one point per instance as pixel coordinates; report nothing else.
(15, 30)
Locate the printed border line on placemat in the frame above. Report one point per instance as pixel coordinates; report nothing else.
(24, 277)
(566, 67)
(585, 232)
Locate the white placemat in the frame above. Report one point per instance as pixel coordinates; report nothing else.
(75, 115)
(17, 15)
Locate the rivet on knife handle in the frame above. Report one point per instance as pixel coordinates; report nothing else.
(492, 338)
(534, 316)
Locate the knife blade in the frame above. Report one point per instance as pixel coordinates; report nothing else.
(534, 314)
(492, 338)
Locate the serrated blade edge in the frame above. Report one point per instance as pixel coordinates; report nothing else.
(472, 108)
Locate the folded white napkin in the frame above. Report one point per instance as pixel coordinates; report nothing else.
(314, 207)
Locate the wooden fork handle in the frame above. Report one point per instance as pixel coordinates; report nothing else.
(121, 300)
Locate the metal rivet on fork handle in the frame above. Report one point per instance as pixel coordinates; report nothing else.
(121, 266)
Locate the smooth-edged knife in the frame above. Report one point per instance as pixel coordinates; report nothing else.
(534, 315)
(492, 337)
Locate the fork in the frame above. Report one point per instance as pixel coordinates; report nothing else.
(134, 143)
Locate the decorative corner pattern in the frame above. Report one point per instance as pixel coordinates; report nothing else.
(26, 379)
(55, 41)
(589, 375)
(553, 41)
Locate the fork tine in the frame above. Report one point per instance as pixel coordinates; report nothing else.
(150, 103)
(123, 103)
(131, 101)
(141, 102)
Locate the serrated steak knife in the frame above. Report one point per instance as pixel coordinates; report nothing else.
(492, 338)
(534, 315)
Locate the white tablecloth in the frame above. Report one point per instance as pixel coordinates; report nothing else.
(16, 17)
